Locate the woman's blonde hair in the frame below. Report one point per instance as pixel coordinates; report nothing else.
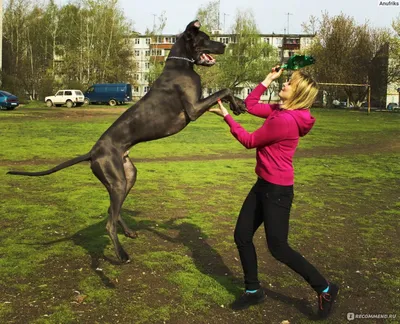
(305, 90)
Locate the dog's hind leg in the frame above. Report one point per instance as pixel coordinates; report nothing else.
(110, 171)
(130, 176)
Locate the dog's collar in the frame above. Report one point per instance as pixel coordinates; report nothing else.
(181, 58)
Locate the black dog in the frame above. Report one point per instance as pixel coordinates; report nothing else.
(172, 102)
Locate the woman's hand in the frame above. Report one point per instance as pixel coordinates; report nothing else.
(221, 111)
(273, 75)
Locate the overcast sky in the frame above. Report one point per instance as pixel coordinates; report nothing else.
(270, 16)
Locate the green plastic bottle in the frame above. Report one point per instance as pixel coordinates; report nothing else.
(296, 62)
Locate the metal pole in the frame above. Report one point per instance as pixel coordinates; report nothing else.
(288, 14)
(225, 14)
(369, 99)
(219, 13)
(154, 23)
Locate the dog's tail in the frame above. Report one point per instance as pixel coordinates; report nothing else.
(66, 164)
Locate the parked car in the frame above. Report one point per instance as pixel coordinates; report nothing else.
(111, 93)
(8, 100)
(392, 106)
(69, 98)
(375, 105)
(339, 104)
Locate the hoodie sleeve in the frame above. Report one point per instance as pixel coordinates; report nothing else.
(273, 130)
(253, 105)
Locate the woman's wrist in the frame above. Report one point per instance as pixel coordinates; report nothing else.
(266, 82)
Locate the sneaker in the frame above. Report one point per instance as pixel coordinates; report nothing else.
(326, 300)
(247, 299)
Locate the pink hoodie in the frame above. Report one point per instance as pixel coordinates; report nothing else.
(276, 140)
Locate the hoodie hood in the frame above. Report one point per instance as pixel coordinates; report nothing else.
(305, 121)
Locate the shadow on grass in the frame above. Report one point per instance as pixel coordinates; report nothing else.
(206, 259)
(94, 239)
(209, 262)
(302, 305)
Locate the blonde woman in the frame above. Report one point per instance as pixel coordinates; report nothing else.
(270, 199)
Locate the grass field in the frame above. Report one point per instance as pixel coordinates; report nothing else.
(57, 264)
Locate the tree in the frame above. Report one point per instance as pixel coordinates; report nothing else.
(73, 45)
(208, 15)
(310, 27)
(14, 45)
(155, 67)
(246, 60)
(394, 52)
(94, 43)
(344, 52)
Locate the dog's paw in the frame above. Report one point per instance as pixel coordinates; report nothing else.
(123, 256)
(131, 234)
(239, 107)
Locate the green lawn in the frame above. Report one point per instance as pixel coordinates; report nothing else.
(57, 264)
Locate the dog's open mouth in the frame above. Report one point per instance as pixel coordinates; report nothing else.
(206, 59)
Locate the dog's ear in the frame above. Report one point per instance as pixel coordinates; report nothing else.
(192, 30)
(193, 25)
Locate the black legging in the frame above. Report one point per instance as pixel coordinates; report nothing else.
(270, 203)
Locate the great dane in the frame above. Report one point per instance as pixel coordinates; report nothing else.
(173, 101)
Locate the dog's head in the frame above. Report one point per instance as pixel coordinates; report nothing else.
(199, 45)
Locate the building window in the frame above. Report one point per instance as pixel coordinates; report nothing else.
(135, 89)
(237, 92)
(136, 77)
(146, 89)
(291, 41)
(156, 52)
(170, 40)
(266, 40)
(147, 41)
(137, 53)
(224, 40)
(137, 41)
(147, 53)
(147, 65)
(249, 90)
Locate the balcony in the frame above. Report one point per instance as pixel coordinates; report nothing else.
(291, 47)
(157, 58)
(291, 44)
(161, 46)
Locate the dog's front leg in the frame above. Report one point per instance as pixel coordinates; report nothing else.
(194, 108)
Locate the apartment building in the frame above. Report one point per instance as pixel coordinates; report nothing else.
(393, 93)
(148, 49)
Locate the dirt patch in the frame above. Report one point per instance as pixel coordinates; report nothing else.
(71, 114)
(367, 149)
